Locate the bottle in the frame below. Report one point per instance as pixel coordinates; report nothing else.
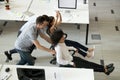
(7, 6)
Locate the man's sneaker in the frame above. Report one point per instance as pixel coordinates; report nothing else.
(8, 55)
(34, 58)
(110, 70)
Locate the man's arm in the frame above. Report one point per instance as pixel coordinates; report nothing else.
(45, 37)
(39, 46)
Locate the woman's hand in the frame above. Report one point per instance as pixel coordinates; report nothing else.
(57, 14)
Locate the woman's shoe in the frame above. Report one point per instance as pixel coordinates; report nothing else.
(109, 66)
(34, 57)
(109, 70)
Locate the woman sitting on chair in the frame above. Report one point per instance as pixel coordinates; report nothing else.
(64, 59)
(54, 24)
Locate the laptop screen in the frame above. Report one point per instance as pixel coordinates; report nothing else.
(30, 74)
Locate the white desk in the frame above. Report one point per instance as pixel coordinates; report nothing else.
(17, 7)
(79, 15)
(51, 72)
(39, 7)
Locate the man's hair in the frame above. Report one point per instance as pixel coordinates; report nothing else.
(56, 36)
(41, 19)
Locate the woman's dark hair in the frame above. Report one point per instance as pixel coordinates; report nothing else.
(56, 36)
(41, 19)
(51, 18)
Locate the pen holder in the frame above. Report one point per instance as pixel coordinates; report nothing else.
(7, 6)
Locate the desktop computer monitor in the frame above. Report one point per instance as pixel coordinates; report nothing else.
(67, 4)
(66, 7)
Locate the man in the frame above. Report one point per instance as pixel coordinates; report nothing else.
(28, 37)
(9, 53)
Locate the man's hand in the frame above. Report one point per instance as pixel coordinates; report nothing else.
(52, 52)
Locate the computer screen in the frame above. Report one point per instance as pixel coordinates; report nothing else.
(67, 4)
(30, 74)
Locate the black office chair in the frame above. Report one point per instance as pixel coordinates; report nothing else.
(53, 61)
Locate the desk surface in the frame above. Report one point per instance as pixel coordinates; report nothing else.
(40, 7)
(51, 72)
(17, 7)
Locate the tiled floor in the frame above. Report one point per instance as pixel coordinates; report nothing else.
(104, 17)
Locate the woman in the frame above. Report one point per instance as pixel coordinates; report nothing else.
(53, 25)
(64, 59)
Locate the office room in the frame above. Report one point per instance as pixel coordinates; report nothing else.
(96, 25)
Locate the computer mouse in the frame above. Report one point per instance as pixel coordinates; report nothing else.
(7, 69)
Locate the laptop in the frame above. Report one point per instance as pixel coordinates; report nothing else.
(30, 74)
